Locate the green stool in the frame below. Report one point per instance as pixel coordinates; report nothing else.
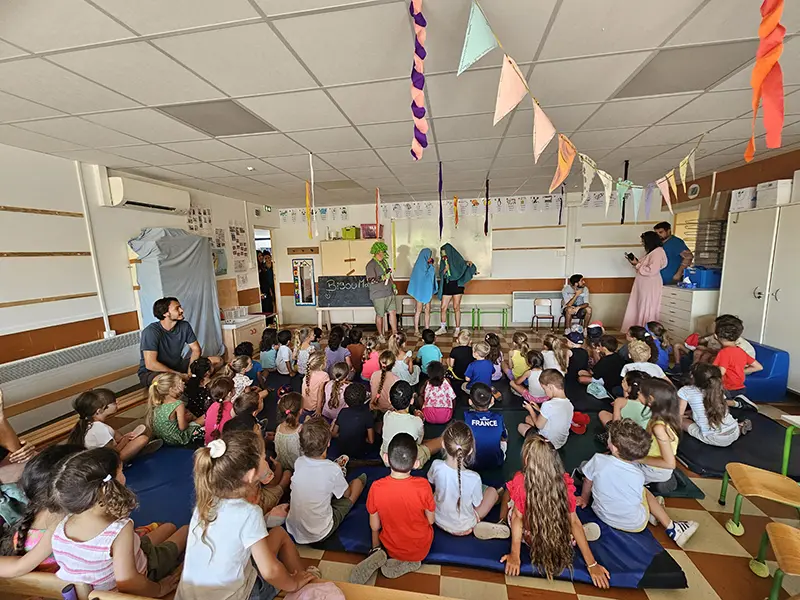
(785, 541)
(794, 428)
(494, 310)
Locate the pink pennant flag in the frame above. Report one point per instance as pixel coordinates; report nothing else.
(566, 154)
(663, 185)
(543, 131)
(511, 90)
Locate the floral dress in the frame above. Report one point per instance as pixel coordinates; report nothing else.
(168, 430)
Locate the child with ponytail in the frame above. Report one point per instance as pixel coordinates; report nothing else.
(404, 367)
(555, 353)
(495, 355)
(336, 350)
(333, 401)
(517, 363)
(382, 381)
(236, 370)
(196, 391)
(372, 352)
(301, 348)
(462, 501)
(314, 385)
(711, 422)
(438, 397)
(221, 409)
(167, 415)
(102, 549)
(229, 553)
(287, 434)
(631, 405)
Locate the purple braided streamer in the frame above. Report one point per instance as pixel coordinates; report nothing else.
(420, 140)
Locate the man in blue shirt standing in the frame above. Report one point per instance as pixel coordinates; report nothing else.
(678, 254)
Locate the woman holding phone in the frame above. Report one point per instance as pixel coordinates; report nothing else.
(645, 302)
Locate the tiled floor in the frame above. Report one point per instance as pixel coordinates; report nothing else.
(715, 562)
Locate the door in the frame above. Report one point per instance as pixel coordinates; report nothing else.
(749, 249)
(784, 292)
(335, 257)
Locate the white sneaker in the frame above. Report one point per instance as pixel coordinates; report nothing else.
(440, 331)
(591, 531)
(681, 531)
(651, 518)
(457, 331)
(486, 530)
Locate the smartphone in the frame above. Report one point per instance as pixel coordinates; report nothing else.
(630, 256)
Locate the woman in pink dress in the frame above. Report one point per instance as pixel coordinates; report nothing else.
(645, 302)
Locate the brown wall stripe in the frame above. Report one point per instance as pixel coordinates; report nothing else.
(47, 299)
(248, 297)
(41, 211)
(40, 254)
(16, 346)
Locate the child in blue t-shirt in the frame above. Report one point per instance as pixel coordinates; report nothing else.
(488, 429)
(269, 349)
(481, 369)
(430, 351)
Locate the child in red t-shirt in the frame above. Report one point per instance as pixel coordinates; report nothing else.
(734, 363)
(401, 513)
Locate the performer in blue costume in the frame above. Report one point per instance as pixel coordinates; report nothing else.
(454, 274)
(422, 286)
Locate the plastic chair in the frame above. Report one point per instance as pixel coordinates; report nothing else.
(548, 316)
(785, 541)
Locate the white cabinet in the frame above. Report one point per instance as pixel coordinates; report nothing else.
(681, 308)
(345, 257)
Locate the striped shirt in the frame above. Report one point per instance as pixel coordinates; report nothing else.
(90, 561)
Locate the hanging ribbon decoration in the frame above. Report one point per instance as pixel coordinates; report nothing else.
(561, 201)
(486, 217)
(308, 210)
(377, 212)
(420, 141)
(441, 207)
(767, 77)
(313, 212)
(455, 210)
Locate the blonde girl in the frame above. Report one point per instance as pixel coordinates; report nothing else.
(665, 426)
(314, 385)
(461, 501)
(101, 548)
(334, 391)
(236, 370)
(382, 381)
(404, 367)
(287, 434)
(373, 347)
(539, 504)
(228, 550)
(556, 353)
(221, 409)
(461, 355)
(301, 344)
(517, 364)
(495, 355)
(167, 415)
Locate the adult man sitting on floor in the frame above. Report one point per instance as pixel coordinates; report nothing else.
(575, 301)
(162, 343)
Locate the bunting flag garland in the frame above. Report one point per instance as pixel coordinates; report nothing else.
(441, 208)
(486, 217)
(589, 171)
(623, 185)
(510, 91)
(543, 131)
(420, 141)
(692, 155)
(308, 210)
(683, 167)
(313, 212)
(663, 185)
(608, 183)
(767, 77)
(566, 155)
(479, 39)
(648, 199)
(455, 210)
(673, 184)
(636, 195)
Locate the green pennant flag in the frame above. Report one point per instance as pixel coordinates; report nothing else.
(478, 39)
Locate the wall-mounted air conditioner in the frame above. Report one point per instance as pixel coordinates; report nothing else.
(140, 195)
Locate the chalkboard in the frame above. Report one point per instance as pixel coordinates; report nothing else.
(343, 291)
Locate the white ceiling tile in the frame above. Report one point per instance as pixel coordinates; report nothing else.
(21, 138)
(297, 110)
(518, 160)
(522, 145)
(738, 81)
(240, 60)
(472, 92)
(208, 186)
(241, 183)
(564, 118)
(674, 134)
(583, 28)
(16, 109)
(152, 155)
(265, 144)
(83, 133)
(155, 173)
(587, 79)
(713, 105)
(277, 7)
(281, 180)
(157, 16)
(501, 175)
(367, 172)
(39, 25)
(320, 176)
(140, 72)
(791, 103)
(381, 49)
(201, 170)
(351, 160)
(377, 102)
(790, 64)
(240, 167)
(209, 150)
(637, 155)
(605, 138)
(642, 111)
(401, 155)
(330, 140)
(737, 129)
(453, 129)
(297, 163)
(98, 157)
(41, 81)
(470, 164)
(468, 149)
(388, 134)
(8, 51)
(147, 124)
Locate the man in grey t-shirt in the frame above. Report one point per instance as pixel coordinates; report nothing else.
(575, 301)
(381, 288)
(162, 343)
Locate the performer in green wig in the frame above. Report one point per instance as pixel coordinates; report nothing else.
(382, 290)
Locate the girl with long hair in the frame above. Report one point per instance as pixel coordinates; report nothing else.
(539, 504)
(495, 355)
(334, 392)
(631, 405)
(517, 363)
(438, 397)
(527, 385)
(373, 347)
(221, 409)
(461, 501)
(167, 415)
(663, 345)
(235, 370)
(301, 345)
(196, 390)
(636, 332)
(404, 367)
(661, 398)
(711, 421)
(228, 550)
(287, 433)
(336, 350)
(382, 381)
(645, 300)
(555, 353)
(269, 349)
(314, 385)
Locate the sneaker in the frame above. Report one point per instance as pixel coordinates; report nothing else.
(651, 518)
(362, 572)
(743, 402)
(440, 331)
(457, 331)
(682, 531)
(342, 462)
(491, 531)
(397, 568)
(591, 531)
(745, 427)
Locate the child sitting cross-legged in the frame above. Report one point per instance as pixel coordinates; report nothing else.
(437, 395)
(401, 420)
(617, 485)
(314, 385)
(221, 408)
(664, 426)
(461, 355)
(167, 415)
(321, 496)
(354, 427)
(401, 515)
(287, 433)
(517, 363)
(641, 353)
(527, 384)
(382, 381)
(429, 352)
(255, 371)
(631, 405)
(230, 554)
(334, 390)
(479, 370)
(553, 418)
(488, 428)
(607, 371)
(462, 501)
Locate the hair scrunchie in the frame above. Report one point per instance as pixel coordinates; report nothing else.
(216, 448)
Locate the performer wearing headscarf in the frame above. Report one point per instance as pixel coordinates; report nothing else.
(382, 290)
(454, 273)
(422, 286)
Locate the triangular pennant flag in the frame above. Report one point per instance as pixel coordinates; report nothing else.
(608, 183)
(648, 199)
(636, 194)
(510, 91)
(566, 154)
(692, 155)
(663, 185)
(478, 39)
(543, 131)
(672, 183)
(589, 171)
(683, 166)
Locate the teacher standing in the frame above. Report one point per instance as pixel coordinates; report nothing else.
(454, 274)
(382, 291)
(422, 286)
(644, 304)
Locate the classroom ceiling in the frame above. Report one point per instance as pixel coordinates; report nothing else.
(118, 82)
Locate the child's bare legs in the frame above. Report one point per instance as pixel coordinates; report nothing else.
(657, 510)
(490, 498)
(166, 532)
(434, 445)
(354, 490)
(685, 423)
(506, 498)
(128, 449)
(284, 481)
(283, 547)
(517, 387)
(523, 428)
(605, 417)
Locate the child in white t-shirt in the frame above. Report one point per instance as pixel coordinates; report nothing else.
(640, 355)
(283, 359)
(553, 418)
(617, 485)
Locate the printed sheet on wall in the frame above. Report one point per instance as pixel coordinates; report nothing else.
(411, 236)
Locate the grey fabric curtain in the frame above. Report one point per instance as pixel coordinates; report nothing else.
(177, 263)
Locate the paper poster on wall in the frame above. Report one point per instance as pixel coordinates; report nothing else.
(240, 246)
(343, 213)
(219, 237)
(241, 281)
(284, 214)
(294, 216)
(199, 221)
(220, 261)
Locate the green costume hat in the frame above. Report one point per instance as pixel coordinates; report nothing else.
(378, 247)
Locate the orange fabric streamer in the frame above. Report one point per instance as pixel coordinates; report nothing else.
(767, 77)
(566, 154)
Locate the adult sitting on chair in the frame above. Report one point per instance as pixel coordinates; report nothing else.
(162, 343)
(575, 301)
